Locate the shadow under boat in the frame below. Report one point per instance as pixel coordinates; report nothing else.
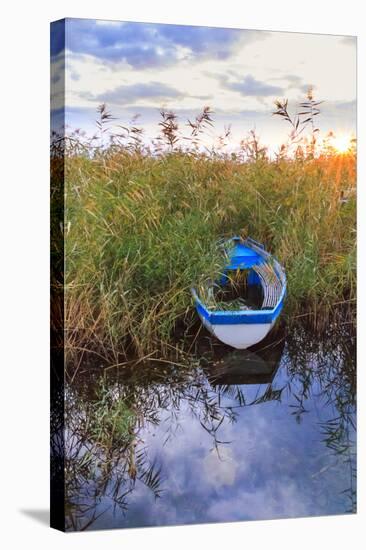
(257, 365)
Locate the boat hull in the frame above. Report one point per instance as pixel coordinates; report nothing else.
(238, 336)
(244, 327)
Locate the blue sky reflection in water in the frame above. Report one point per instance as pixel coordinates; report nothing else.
(224, 450)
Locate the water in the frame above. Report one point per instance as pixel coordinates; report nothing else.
(234, 435)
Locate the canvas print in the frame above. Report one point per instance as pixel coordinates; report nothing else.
(203, 274)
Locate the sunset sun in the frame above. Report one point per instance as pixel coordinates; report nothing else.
(342, 143)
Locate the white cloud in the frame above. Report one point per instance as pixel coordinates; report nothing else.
(258, 68)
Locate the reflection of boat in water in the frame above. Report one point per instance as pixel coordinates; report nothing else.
(239, 323)
(242, 367)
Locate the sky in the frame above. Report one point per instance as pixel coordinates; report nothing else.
(139, 68)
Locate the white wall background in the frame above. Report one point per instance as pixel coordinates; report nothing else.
(24, 273)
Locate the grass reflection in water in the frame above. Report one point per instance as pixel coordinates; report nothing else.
(122, 424)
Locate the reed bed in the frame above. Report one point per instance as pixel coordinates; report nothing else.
(141, 229)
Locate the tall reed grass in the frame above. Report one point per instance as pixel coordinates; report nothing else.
(141, 228)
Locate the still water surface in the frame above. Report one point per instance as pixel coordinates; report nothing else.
(234, 435)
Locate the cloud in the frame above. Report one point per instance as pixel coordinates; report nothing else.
(57, 75)
(56, 78)
(274, 500)
(218, 42)
(340, 112)
(144, 45)
(293, 79)
(74, 76)
(249, 86)
(294, 82)
(220, 467)
(129, 94)
(134, 43)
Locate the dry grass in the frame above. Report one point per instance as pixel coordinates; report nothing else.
(140, 230)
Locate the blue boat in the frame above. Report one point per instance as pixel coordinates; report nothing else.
(244, 324)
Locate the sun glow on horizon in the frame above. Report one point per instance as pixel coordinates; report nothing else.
(342, 142)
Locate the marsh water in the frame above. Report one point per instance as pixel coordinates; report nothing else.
(228, 435)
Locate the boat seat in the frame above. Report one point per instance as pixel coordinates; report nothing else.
(271, 284)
